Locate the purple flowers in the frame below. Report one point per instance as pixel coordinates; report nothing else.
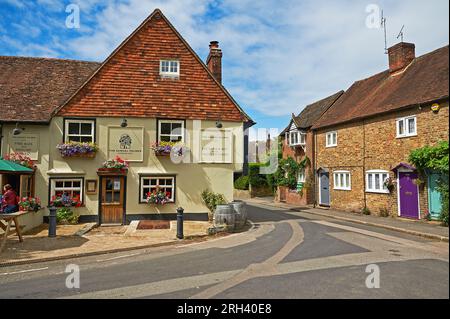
(165, 148)
(77, 148)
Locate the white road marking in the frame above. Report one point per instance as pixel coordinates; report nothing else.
(117, 257)
(22, 271)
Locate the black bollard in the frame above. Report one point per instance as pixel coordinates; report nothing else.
(52, 222)
(180, 211)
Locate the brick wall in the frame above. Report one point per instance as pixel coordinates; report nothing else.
(372, 145)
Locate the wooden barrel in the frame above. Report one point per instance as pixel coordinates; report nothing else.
(224, 216)
(240, 210)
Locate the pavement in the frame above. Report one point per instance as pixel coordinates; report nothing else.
(428, 229)
(75, 241)
(287, 254)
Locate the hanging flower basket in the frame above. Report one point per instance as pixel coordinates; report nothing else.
(77, 149)
(31, 204)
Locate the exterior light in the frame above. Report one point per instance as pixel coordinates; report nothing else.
(17, 130)
(218, 124)
(124, 123)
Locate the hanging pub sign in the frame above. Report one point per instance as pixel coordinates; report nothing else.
(26, 144)
(216, 146)
(126, 142)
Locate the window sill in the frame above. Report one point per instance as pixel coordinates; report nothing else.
(168, 203)
(331, 146)
(377, 192)
(342, 189)
(405, 136)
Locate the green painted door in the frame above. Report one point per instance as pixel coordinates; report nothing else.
(434, 197)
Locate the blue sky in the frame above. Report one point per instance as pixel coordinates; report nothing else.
(278, 55)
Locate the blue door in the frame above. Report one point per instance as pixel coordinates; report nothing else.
(434, 197)
(324, 188)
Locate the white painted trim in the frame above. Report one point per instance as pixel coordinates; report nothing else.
(169, 73)
(374, 191)
(405, 126)
(406, 170)
(171, 122)
(78, 121)
(326, 139)
(342, 188)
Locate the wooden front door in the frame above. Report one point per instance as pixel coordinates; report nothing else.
(112, 200)
(324, 184)
(409, 195)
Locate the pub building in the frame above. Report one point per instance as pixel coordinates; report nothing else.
(131, 138)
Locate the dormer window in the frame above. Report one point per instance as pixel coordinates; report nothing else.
(169, 68)
(296, 138)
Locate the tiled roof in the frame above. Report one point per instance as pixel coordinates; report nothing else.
(128, 83)
(312, 112)
(31, 88)
(423, 81)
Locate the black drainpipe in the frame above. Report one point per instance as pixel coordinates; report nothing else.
(364, 164)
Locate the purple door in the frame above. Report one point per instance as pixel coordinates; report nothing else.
(409, 196)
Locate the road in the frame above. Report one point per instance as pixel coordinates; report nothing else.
(285, 255)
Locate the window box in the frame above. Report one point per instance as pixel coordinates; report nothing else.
(165, 148)
(66, 192)
(77, 149)
(116, 165)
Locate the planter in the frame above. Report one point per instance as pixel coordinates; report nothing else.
(112, 171)
(162, 154)
(82, 155)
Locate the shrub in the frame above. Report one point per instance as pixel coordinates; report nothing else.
(256, 179)
(66, 215)
(384, 212)
(444, 189)
(211, 200)
(242, 183)
(365, 211)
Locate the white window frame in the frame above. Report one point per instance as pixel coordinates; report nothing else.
(300, 138)
(329, 139)
(405, 122)
(53, 187)
(370, 187)
(301, 178)
(182, 122)
(79, 122)
(142, 196)
(338, 180)
(171, 65)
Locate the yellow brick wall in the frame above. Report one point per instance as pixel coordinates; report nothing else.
(372, 145)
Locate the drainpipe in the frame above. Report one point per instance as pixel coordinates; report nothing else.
(314, 167)
(1, 139)
(364, 163)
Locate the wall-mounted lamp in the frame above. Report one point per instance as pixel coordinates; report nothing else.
(124, 123)
(219, 124)
(17, 130)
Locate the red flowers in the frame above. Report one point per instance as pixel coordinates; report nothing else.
(20, 159)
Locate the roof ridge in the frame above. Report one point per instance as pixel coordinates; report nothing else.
(45, 58)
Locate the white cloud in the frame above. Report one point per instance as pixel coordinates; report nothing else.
(17, 3)
(278, 55)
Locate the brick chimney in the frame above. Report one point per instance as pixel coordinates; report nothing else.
(214, 60)
(400, 56)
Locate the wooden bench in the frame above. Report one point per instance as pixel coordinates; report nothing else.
(5, 223)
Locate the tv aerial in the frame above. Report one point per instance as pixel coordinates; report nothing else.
(400, 34)
(383, 25)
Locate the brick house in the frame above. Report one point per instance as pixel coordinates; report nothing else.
(365, 138)
(153, 88)
(298, 142)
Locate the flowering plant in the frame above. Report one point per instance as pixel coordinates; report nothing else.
(77, 148)
(30, 204)
(116, 163)
(65, 201)
(20, 159)
(165, 148)
(389, 184)
(158, 197)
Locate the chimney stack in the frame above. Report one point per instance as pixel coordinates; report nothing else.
(400, 56)
(214, 60)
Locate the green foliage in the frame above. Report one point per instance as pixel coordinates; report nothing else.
(443, 189)
(66, 215)
(384, 212)
(255, 178)
(242, 183)
(434, 158)
(365, 211)
(287, 172)
(211, 200)
(431, 157)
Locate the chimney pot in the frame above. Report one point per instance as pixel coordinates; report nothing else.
(214, 60)
(400, 56)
